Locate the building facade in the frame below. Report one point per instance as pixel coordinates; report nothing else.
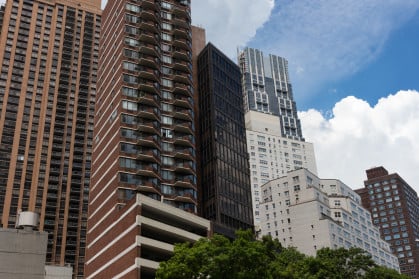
(394, 207)
(267, 88)
(271, 156)
(144, 134)
(225, 180)
(48, 58)
(309, 213)
(274, 137)
(140, 233)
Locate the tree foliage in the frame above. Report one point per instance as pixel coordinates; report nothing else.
(247, 258)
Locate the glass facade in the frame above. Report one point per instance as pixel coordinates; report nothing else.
(224, 160)
(267, 88)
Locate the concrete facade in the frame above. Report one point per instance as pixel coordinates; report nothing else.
(58, 272)
(271, 155)
(137, 236)
(309, 213)
(22, 254)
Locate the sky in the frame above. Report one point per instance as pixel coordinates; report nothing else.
(354, 67)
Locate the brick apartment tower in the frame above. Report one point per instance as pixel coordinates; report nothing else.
(48, 58)
(394, 207)
(144, 124)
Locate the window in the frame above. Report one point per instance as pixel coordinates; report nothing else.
(167, 120)
(167, 82)
(167, 59)
(130, 66)
(131, 42)
(166, 26)
(166, 15)
(132, 8)
(166, 37)
(166, 5)
(338, 214)
(130, 79)
(129, 105)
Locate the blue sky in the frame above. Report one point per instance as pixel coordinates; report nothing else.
(395, 68)
(354, 66)
(338, 48)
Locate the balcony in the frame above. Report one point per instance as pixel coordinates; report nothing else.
(150, 26)
(182, 11)
(148, 112)
(182, 43)
(181, 21)
(181, 88)
(148, 140)
(149, 37)
(182, 113)
(148, 155)
(184, 153)
(148, 126)
(149, 5)
(149, 49)
(182, 77)
(184, 140)
(186, 197)
(182, 66)
(149, 61)
(181, 33)
(184, 166)
(185, 182)
(148, 73)
(149, 170)
(181, 54)
(147, 98)
(148, 86)
(182, 101)
(149, 15)
(148, 185)
(183, 127)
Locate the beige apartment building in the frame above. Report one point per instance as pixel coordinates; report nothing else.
(48, 59)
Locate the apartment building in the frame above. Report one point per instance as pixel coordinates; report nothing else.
(144, 137)
(274, 137)
(394, 206)
(272, 156)
(309, 213)
(48, 57)
(267, 88)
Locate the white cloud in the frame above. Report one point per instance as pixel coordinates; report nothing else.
(230, 23)
(358, 137)
(327, 40)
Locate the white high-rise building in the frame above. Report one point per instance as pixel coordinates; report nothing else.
(309, 213)
(271, 155)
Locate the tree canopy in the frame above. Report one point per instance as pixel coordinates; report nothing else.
(247, 258)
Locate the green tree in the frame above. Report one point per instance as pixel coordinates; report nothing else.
(384, 273)
(246, 258)
(218, 257)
